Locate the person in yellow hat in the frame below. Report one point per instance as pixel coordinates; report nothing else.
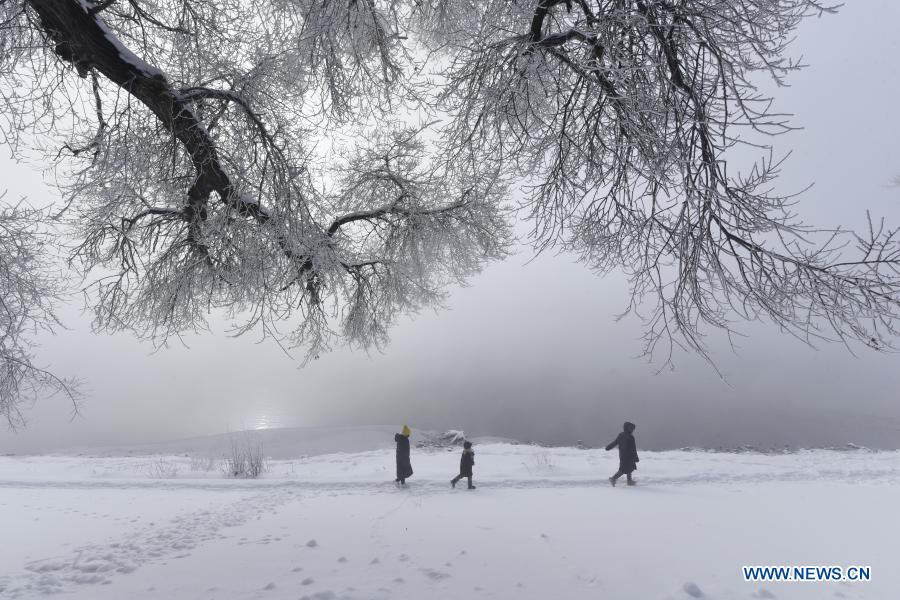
(404, 467)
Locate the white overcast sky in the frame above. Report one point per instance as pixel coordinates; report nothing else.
(533, 351)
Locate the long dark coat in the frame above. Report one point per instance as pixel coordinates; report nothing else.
(628, 457)
(466, 462)
(404, 468)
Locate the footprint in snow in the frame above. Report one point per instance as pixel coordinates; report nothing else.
(342, 559)
(326, 595)
(763, 593)
(375, 561)
(692, 589)
(308, 581)
(435, 575)
(270, 586)
(312, 544)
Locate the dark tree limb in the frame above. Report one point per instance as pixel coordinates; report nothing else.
(82, 39)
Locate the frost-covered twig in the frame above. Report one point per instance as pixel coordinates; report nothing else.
(621, 118)
(29, 288)
(215, 179)
(199, 193)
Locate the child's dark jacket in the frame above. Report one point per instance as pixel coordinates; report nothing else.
(466, 462)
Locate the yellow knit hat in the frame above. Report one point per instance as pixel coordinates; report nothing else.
(406, 430)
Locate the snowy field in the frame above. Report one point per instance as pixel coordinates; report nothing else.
(543, 524)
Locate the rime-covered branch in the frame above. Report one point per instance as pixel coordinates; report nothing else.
(200, 194)
(201, 148)
(621, 117)
(29, 288)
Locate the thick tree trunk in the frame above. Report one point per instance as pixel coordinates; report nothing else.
(82, 38)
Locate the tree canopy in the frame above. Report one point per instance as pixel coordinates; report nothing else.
(317, 167)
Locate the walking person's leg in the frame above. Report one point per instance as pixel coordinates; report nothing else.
(455, 480)
(615, 477)
(471, 487)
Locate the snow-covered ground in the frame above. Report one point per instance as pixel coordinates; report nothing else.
(543, 524)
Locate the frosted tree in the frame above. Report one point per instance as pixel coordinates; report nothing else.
(185, 135)
(621, 116)
(29, 285)
(314, 168)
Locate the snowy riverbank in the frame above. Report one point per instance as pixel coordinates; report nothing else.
(543, 523)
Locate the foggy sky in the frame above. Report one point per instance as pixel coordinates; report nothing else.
(533, 351)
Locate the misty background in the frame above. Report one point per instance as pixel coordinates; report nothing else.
(531, 349)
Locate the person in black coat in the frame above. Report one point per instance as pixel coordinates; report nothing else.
(404, 467)
(466, 462)
(628, 457)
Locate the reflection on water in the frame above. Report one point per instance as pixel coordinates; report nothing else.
(266, 412)
(272, 421)
(264, 419)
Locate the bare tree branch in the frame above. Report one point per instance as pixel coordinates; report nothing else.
(198, 193)
(208, 167)
(29, 287)
(621, 117)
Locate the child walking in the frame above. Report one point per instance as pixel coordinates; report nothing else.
(466, 462)
(628, 457)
